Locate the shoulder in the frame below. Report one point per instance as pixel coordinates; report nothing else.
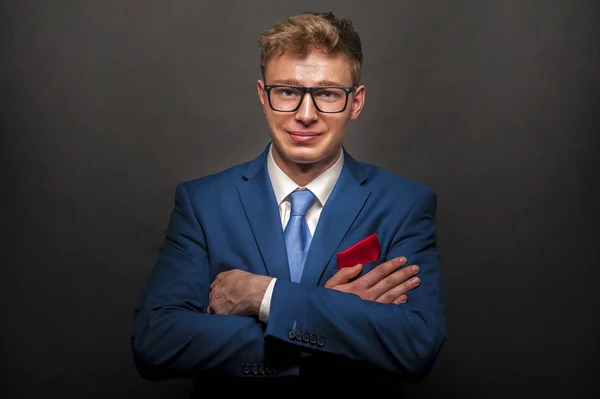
(216, 183)
(397, 197)
(385, 183)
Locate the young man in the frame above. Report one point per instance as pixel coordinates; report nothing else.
(301, 265)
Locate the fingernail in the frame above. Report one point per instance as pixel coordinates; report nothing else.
(415, 281)
(403, 300)
(415, 269)
(402, 261)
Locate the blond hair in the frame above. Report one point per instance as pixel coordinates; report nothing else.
(324, 31)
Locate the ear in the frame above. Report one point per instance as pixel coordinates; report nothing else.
(358, 101)
(262, 94)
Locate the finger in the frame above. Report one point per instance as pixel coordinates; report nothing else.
(215, 282)
(398, 294)
(396, 279)
(218, 278)
(210, 297)
(401, 299)
(400, 283)
(382, 271)
(343, 276)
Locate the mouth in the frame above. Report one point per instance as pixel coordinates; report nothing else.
(303, 137)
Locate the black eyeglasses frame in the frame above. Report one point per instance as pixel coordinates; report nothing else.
(311, 91)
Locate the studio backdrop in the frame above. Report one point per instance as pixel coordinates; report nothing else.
(107, 105)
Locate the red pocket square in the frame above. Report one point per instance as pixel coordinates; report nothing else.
(364, 251)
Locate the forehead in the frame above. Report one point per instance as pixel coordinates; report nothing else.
(312, 67)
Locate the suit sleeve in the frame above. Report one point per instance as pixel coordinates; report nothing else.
(172, 334)
(403, 338)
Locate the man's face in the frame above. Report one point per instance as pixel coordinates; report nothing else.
(307, 136)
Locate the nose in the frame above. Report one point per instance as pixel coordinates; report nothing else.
(307, 113)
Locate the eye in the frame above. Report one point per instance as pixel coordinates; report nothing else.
(331, 94)
(286, 92)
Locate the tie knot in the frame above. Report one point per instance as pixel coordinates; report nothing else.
(301, 201)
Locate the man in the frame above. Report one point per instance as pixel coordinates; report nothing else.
(299, 267)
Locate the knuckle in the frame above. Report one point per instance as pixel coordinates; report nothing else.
(381, 270)
(404, 274)
(386, 298)
(361, 291)
(357, 286)
(366, 295)
(390, 281)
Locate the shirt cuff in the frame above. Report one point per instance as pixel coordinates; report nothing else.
(265, 305)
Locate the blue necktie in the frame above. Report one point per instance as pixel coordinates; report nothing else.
(296, 233)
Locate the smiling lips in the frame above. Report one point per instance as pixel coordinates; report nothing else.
(300, 137)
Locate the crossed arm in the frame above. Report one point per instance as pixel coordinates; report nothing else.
(237, 292)
(174, 334)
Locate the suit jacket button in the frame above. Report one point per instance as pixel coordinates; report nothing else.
(306, 337)
(320, 341)
(261, 369)
(268, 369)
(298, 335)
(255, 369)
(313, 339)
(247, 369)
(291, 334)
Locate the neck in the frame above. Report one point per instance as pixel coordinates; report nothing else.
(304, 173)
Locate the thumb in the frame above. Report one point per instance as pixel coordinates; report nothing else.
(344, 275)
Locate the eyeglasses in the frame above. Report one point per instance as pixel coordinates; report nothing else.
(327, 99)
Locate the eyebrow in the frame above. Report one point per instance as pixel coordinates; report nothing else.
(296, 82)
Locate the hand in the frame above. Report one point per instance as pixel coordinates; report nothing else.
(382, 284)
(237, 292)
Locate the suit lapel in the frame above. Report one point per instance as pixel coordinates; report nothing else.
(340, 211)
(260, 205)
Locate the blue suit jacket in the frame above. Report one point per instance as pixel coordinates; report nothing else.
(231, 220)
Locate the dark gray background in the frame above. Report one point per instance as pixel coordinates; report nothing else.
(107, 105)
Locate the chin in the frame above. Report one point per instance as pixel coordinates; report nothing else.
(303, 154)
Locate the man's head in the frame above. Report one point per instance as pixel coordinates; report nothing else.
(324, 31)
(307, 51)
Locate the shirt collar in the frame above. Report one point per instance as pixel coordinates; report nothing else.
(321, 186)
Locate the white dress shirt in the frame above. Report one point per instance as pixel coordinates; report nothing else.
(321, 187)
